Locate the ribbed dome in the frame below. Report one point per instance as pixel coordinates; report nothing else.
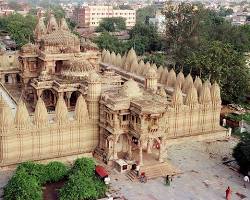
(112, 58)
(215, 93)
(81, 110)
(22, 118)
(41, 115)
(171, 78)
(61, 37)
(64, 25)
(192, 96)
(131, 89)
(118, 60)
(52, 24)
(151, 73)
(177, 98)
(180, 79)
(6, 118)
(61, 111)
(187, 84)
(103, 54)
(140, 67)
(146, 68)
(80, 65)
(130, 57)
(198, 84)
(205, 96)
(164, 76)
(106, 58)
(154, 66)
(134, 66)
(159, 72)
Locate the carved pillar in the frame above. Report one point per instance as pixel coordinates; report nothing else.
(140, 154)
(149, 146)
(115, 147)
(130, 148)
(13, 77)
(68, 95)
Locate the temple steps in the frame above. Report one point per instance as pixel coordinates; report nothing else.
(158, 170)
(131, 175)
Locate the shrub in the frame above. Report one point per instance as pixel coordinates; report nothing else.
(81, 187)
(242, 153)
(56, 171)
(22, 186)
(85, 165)
(35, 170)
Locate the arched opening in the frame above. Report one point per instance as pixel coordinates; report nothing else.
(122, 145)
(49, 99)
(18, 78)
(73, 98)
(7, 78)
(58, 66)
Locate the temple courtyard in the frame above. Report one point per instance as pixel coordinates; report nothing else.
(202, 177)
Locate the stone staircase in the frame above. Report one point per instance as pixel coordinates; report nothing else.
(131, 175)
(159, 170)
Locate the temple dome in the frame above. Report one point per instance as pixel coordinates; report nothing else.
(215, 93)
(41, 115)
(192, 96)
(180, 79)
(6, 118)
(22, 118)
(177, 98)
(131, 89)
(80, 65)
(81, 110)
(205, 95)
(61, 37)
(171, 78)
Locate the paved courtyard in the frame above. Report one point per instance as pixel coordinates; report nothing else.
(203, 177)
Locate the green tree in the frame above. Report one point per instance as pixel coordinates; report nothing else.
(85, 165)
(19, 27)
(112, 24)
(143, 14)
(111, 43)
(224, 65)
(147, 36)
(242, 153)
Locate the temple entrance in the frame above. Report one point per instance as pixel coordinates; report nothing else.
(122, 143)
(73, 98)
(58, 66)
(49, 99)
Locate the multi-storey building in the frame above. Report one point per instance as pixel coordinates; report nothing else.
(91, 16)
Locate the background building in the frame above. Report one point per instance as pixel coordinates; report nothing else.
(91, 16)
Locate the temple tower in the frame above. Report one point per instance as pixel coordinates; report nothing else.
(151, 79)
(93, 96)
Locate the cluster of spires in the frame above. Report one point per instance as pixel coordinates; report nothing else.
(52, 26)
(22, 118)
(195, 90)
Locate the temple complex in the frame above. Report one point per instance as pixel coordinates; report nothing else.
(75, 100)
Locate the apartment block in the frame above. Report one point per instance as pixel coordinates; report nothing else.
(91, 16)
